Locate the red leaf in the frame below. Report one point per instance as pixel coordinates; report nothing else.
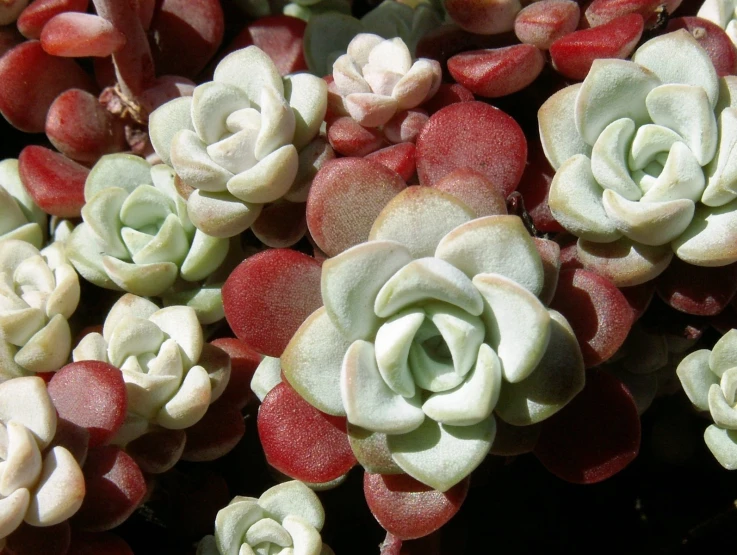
(448, 93)
(595, 436)
(115, 487)
(405, 126)
(639, 297)
(268, 296)
(38, 13)
(91, 543)
(77, 35)
(32, 540)
(542, 23)
(599, 314)
(348, 138)
(243, 363)
(713, 39)
(475, 190)
(216, 434)
(408, 509)
(472, 135)
(399, 158)
(90, 394)
(157, 451)
(347, 195)
(697, 290)
(497, 72)
(301, 441)
(600, 12)
(535, 187)
(281, 224)
(484, 18)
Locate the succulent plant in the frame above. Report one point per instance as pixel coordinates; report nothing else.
(236, 141)
(723, 13)
(171, 375)
(42, 489)
(642, 154)
(285, 520)
(137, 235)
(20, 218)
(39, 291)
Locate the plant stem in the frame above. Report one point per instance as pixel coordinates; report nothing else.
(391, 545)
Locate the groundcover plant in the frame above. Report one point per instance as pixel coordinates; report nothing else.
(317, 277)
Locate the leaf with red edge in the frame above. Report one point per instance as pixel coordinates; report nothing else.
(535, 187)
(405, 126)
(347, 195)
(573, 54)
(542, 23)
(698, 290)
(281, 224)
(77, 35)
(280, 36)
(448, 93)
(54, 182)
(157, 451)
(243, 363)
(599, 314)
(90, 394)
(473, 135)
(409, 509)
(348, 138)
(32, 540)
(115, 487)
(497, 72)
(595, 436)
(301, 441)
(475, 190)
(712, 38)
(97, 543)
(216, 433)
(568, 252)
(399, 158)
(185, 34)
(81, 128)
(600, 12)
(73, 438)
(30, 80)
(268, 296)
(32, 20)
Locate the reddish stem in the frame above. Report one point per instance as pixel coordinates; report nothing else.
(391, 545)
(134, 65)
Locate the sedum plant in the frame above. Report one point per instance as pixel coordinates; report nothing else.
(709, 378)
(285, 520)
(39, 484)
(39, 291)
(642, 151)
(171, 375)
(377, 78)
(137, 235)
(236, 141)
(20, 218)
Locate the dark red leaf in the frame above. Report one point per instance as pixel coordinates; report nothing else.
(78, 35)
(216, 434)
(697, 290)
(348, 138)
(157, 451)
(399, 158)
(243, 363)
(32, 20)
(31, 540)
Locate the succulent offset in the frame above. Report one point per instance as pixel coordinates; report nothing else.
(285, 520)
(642, 151)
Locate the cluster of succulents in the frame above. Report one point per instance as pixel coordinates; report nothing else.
(302, 242)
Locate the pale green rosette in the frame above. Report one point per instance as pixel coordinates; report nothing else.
(137, 235)
(429, 332)
(237, 140)
(20, 218)
(644, 159)
(723, 13)
(285, 520)
(39, 291)
(171, 374)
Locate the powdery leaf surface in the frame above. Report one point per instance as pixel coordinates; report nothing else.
(301, 441)
(541, 23)
(409, 509)
(37, 14)
(77, 35)
(268, 296)
(448, 93)
(475, 190)
(348, 138)
(399, 158)
(698, 290)
(600, 12)
(595, 436)
(713, 39)
(473, 135)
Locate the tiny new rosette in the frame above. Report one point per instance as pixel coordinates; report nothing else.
(644, 159)
(39, 488)
(285, 520)
(709, 378)
(422, 340)
(171, 375)
(236, 141)
(20, 218)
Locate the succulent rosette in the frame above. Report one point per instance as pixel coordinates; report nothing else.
(723, 13)
(285, 520)
(39, 291)
(236, 141)
(137, 235)
(378, 77)
(425, 336)
(36, 487)
(171, 375)
(643, 152)
(20, 217)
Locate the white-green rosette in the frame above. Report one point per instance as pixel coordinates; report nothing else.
(285, 520)
(137, 235)
(39, 291)
(425, 337)
(171, 374)
(709, 378)
(644, 159)
(237, 139)
(723, 13)
(20, 218)
(39, 485)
